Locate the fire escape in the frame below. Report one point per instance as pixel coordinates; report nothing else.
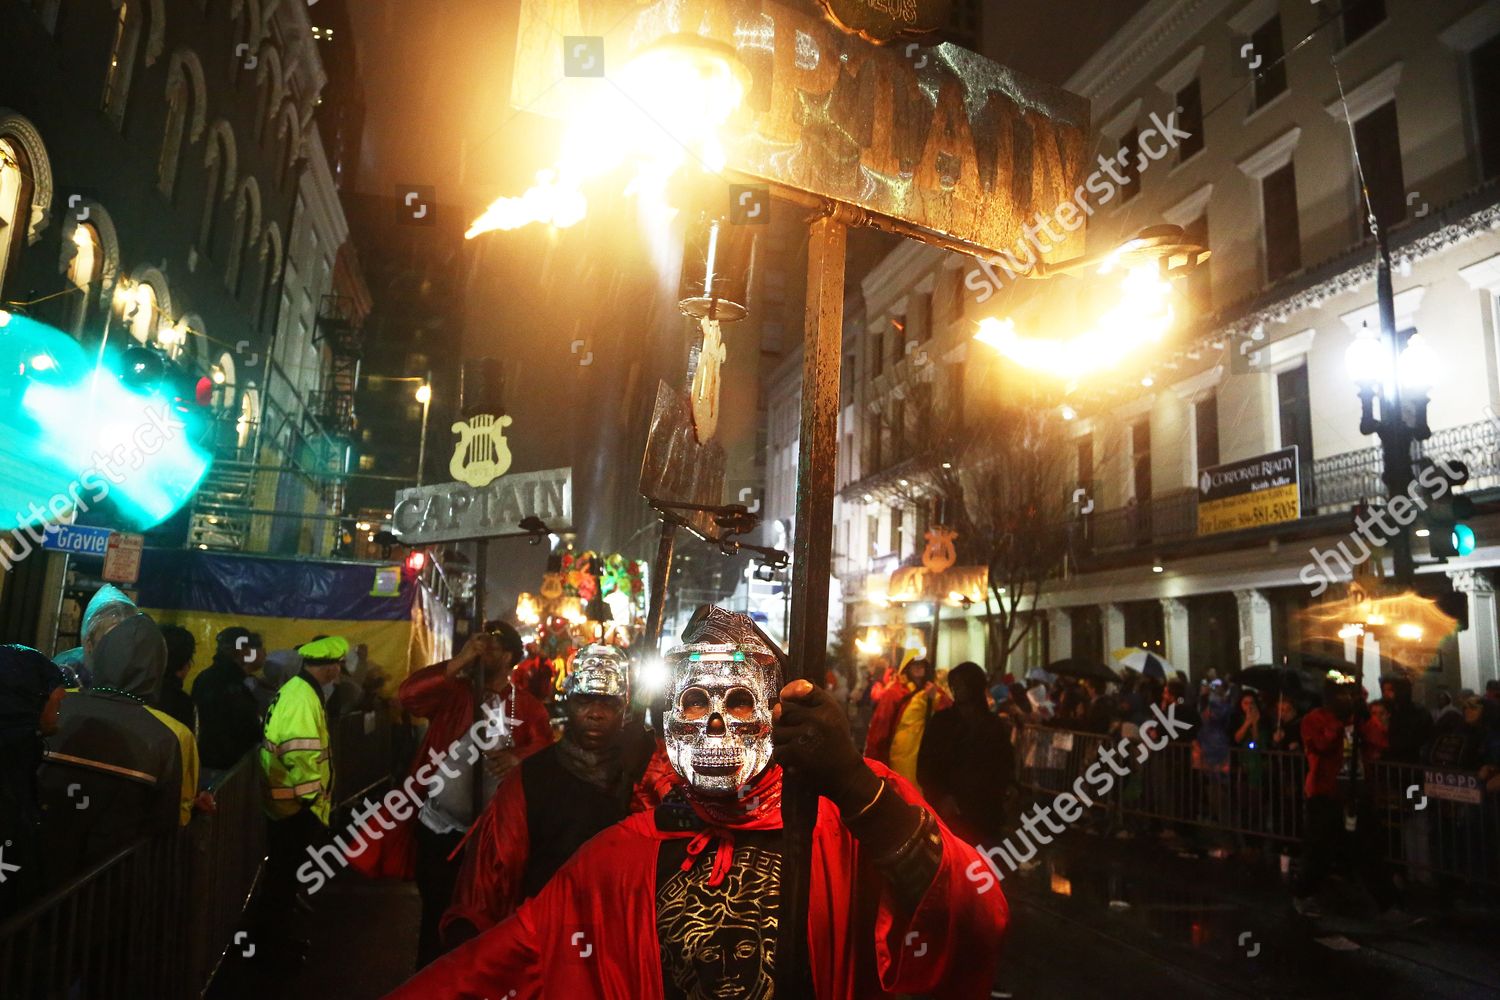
(266, 466)
(340, 332)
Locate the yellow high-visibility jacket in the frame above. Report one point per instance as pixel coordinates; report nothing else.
(294, 753)
(188, 744)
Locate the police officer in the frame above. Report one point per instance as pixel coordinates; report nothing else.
(294, 757)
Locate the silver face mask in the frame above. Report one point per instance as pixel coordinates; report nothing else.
(718, 723)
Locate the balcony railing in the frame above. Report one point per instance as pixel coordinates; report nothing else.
(1338, 483)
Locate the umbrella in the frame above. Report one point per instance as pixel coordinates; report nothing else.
(1074, 667)
(1143, 662)
(1300, 684)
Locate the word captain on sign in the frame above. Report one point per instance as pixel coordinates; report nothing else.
(452, 511)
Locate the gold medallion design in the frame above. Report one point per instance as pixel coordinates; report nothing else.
(719, 942)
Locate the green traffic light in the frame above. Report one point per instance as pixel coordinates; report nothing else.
(1463, 539)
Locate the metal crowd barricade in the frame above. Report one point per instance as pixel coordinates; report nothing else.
(363, 758)
(1258, 794)
(156, 918)
(152, 920)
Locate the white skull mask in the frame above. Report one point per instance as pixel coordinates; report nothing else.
(719, 721)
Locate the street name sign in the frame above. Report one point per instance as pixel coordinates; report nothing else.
(452, 512)
(1250, 494)
(77, 539)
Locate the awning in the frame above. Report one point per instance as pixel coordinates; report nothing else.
(916, 583)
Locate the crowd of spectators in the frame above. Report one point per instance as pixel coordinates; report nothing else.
(1282, 764)
(106, 743)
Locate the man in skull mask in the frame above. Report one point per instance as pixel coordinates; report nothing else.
(684, 901)
(556, 800)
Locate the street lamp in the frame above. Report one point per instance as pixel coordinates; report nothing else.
(1397, 369)
(424, 396)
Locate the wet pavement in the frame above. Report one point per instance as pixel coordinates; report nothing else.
(1100, 917)
(363, 938)
(1178, 929)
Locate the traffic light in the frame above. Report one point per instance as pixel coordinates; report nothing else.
(1448, 517)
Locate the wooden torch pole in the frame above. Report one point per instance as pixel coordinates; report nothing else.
(812, 555)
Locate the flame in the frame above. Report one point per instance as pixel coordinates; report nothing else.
(663, 111)
(1143, 316)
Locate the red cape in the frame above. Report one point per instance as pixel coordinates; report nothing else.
(448, 705)
(489, 883)
(591, 933)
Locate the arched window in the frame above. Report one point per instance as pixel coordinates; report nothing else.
(142, 313)
(186, 100)
(85, 268)
(290, 135)
(249, 417)
(122, 52)
(247, 35)
(245, 236)
(219, 165)
(271, 257)
(223, 375)
(269, 92)
(171, 140)
(15, 204)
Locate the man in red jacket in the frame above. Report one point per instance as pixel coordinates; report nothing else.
(683, 901)
(444, 696)
(1341, 743)
(556, 800)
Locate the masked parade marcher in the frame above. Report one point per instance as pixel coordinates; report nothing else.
(556, 800)
(118, 769)
(294, 758)
(683, 901)
(424, 846)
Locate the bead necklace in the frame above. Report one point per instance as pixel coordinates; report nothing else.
(102, 689)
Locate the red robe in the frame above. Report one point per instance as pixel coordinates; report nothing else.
(497, 849)
(448, 705)
(591, 933)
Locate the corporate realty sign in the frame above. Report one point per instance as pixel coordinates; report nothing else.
(452, 512)
(1249, 494)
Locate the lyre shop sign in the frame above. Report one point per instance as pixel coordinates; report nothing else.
(450, 512)
(936, 136)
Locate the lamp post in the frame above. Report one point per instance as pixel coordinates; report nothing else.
(1396, 368)
(424, 396)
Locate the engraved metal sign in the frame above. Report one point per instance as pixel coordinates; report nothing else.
(448, 512)
(884, 20)
(937, 137)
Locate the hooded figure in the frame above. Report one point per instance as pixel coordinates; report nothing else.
(229, 719)
(31, 692)
(117, 769)
(683, 901)
(557, 798)
(107, 608)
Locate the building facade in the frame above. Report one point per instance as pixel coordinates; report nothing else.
(1255, 361)
(161, 179)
